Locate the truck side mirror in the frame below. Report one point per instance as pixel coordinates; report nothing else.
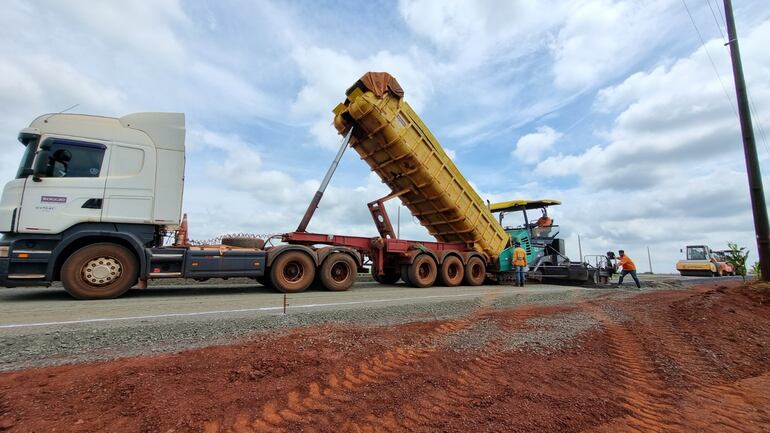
(41, 163)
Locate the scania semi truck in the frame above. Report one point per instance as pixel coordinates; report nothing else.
(95, 197)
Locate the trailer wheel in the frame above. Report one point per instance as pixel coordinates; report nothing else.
(451, 272)
(475, 271)
(423, 271)
(292, 272)
(338, 272)
(387, 278)
(405, 275)
(99, 271)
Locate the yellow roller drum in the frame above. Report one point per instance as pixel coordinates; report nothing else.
(397, 145)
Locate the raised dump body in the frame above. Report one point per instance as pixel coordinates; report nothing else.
(397, 145)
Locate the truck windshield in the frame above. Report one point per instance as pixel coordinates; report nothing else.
(696, 253)
(25, 166)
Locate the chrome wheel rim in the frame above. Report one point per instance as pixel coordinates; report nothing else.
(101, 271)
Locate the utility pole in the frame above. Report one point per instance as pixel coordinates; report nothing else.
(649, 258)
(758, 206)
(580, 248)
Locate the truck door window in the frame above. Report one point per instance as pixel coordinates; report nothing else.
(25, 166)
(75, 159)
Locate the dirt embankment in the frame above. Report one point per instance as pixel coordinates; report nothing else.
(694, 360)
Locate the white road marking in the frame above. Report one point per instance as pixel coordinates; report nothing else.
(240, 310)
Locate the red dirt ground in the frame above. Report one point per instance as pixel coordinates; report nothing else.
(694, 360)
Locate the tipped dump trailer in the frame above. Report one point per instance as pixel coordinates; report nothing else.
(393, 140)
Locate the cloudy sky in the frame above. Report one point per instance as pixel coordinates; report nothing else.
(612, 106)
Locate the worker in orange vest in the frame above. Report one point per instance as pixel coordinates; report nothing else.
(627, 267)
(519, 263)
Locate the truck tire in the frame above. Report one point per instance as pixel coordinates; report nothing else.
(292, 272)
(99, 271)
(423, 271)
(475, 272)
(387, 278)
(451, 272)
(244, 242)
(338, 272)
(405, 275)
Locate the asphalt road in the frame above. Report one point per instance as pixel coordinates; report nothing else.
(26, 308)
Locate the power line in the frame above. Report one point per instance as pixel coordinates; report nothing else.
(721, 14)
(755, 113)
(713, 65)
(716, 21)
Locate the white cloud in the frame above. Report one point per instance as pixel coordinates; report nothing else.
(475, 31)
(328, 73)
(602, 38)
(118, 26)
(532, 146)
(672, 118)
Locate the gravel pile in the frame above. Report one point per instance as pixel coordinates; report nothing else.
(551, 333)
(547, 298)
(98, 341)
(79, 343)
(475, 338)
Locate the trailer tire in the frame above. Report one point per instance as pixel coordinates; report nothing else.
(100, 271)
(244, 242)
(405, 275)
(387, 278)
(423, 271)
(292, 272)
(338, 272)
(451, 272)
(475, 271)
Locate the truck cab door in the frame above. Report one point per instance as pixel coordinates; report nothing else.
(71, 190)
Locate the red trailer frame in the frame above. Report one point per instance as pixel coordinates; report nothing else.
(387, 252)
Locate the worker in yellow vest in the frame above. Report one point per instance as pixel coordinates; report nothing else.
(519, 263)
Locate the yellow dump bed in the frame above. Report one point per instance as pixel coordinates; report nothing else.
(392, 139)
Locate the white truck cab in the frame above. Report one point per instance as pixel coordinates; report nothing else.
(91, 169)
(91, 195)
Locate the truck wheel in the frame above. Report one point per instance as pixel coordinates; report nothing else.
(405, 275)
(475, 272)
(451, 272)
(422, 272)
(387, 278)
(292, 272)
(99, 271)
(338, 272)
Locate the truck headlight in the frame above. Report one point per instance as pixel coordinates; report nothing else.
(4, 251)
